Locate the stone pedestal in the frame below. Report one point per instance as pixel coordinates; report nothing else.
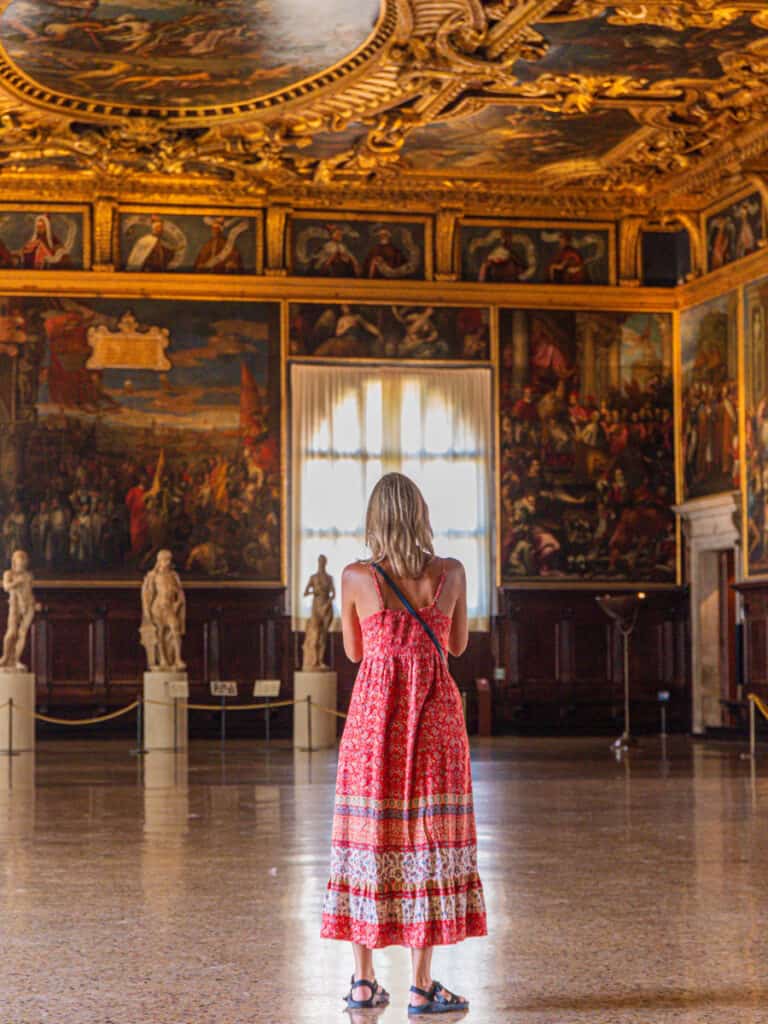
(165, 716)
(17, 730)
(321, 687)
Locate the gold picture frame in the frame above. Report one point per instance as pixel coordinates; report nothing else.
(255, 214)
(425, 221)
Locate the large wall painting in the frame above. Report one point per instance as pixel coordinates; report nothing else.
(164, 240)
(343, 245)
(347, 330)
(138, 425)
(709, 352)
(735, 231)
(179, 53)
(507, 253)
(756, 415)
(587, 446)
(44, 238)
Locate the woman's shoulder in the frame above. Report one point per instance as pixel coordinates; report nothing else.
(451, 566)
(355, 571)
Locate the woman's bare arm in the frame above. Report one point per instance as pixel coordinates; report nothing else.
(350, 621)
(457, 582)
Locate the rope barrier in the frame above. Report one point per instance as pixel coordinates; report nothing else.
(759, 704)
(242, 707)
(329, 711)
(203, 707)
(78, 721)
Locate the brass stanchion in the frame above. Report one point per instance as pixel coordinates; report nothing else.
(309, 723)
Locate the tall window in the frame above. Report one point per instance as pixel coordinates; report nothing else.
(352, 424)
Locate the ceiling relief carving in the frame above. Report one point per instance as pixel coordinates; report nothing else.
(574, 105)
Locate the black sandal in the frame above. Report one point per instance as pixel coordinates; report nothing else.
(438, 1003)
(379, 996)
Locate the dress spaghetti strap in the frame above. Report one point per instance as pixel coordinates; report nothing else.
(376, 583)
(439, 588)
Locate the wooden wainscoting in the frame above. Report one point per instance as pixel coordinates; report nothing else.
(85, 650)
(563, 662)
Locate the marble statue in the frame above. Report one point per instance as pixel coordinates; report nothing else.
(17, 583)
(163, 615)
(321, 588)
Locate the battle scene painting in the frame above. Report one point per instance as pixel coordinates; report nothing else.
(587, 446)
(41, 240)
(221, 243)
(390, 332)
(384, 249)
(708, 343)
(735, 231)
(756, 418)
(180, 53)
(519, 254)
(139, 425)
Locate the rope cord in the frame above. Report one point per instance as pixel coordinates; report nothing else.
(329, 711)
(78, 721)
(760, 704)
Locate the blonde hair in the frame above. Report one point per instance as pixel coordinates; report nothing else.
(397, 526)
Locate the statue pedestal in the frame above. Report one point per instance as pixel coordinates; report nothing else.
(321, 687)
(165, 715)
(17, 729)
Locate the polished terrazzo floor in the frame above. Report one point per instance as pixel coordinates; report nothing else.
(188, 890)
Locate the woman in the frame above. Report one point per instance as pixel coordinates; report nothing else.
(403, 863)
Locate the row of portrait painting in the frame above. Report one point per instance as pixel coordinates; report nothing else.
(331, 246)
(351, 246)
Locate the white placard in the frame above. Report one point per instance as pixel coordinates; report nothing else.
(266, 688)
(178, 689)
(223, 688)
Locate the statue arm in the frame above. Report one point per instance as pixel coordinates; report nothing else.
(181, 605)
(146, 598)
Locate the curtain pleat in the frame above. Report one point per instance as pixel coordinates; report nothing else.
(350, 425)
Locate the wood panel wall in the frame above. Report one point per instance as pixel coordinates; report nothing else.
(560, 656)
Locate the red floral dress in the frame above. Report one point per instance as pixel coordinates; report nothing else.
(403, 851)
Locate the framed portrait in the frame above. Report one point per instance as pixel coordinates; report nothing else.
(35, 237)
(509, 252)
(167, 240)
(350, 245)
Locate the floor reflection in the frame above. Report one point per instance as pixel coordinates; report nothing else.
(187, 887)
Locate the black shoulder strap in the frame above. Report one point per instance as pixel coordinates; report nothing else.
(410, 609)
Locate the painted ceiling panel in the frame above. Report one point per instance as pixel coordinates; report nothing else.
(180, 52)
(515, 140)
(595, 46)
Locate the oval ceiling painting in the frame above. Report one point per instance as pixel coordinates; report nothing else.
(180, 53)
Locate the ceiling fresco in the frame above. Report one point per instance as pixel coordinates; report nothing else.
(179, 52)
(514, 140)
(634, 107)
(647, 51)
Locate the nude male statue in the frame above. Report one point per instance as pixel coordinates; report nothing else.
(17, 583)
(163, 622)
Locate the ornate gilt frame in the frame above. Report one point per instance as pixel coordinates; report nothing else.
(255, 214)
(553, 225)
(355, 216)
(8, 206)
(723, 204)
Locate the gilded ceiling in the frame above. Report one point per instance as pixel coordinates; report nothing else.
(508, 105)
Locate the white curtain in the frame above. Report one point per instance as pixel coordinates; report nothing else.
(352, 424)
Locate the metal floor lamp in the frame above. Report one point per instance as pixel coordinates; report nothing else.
(623, 609)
